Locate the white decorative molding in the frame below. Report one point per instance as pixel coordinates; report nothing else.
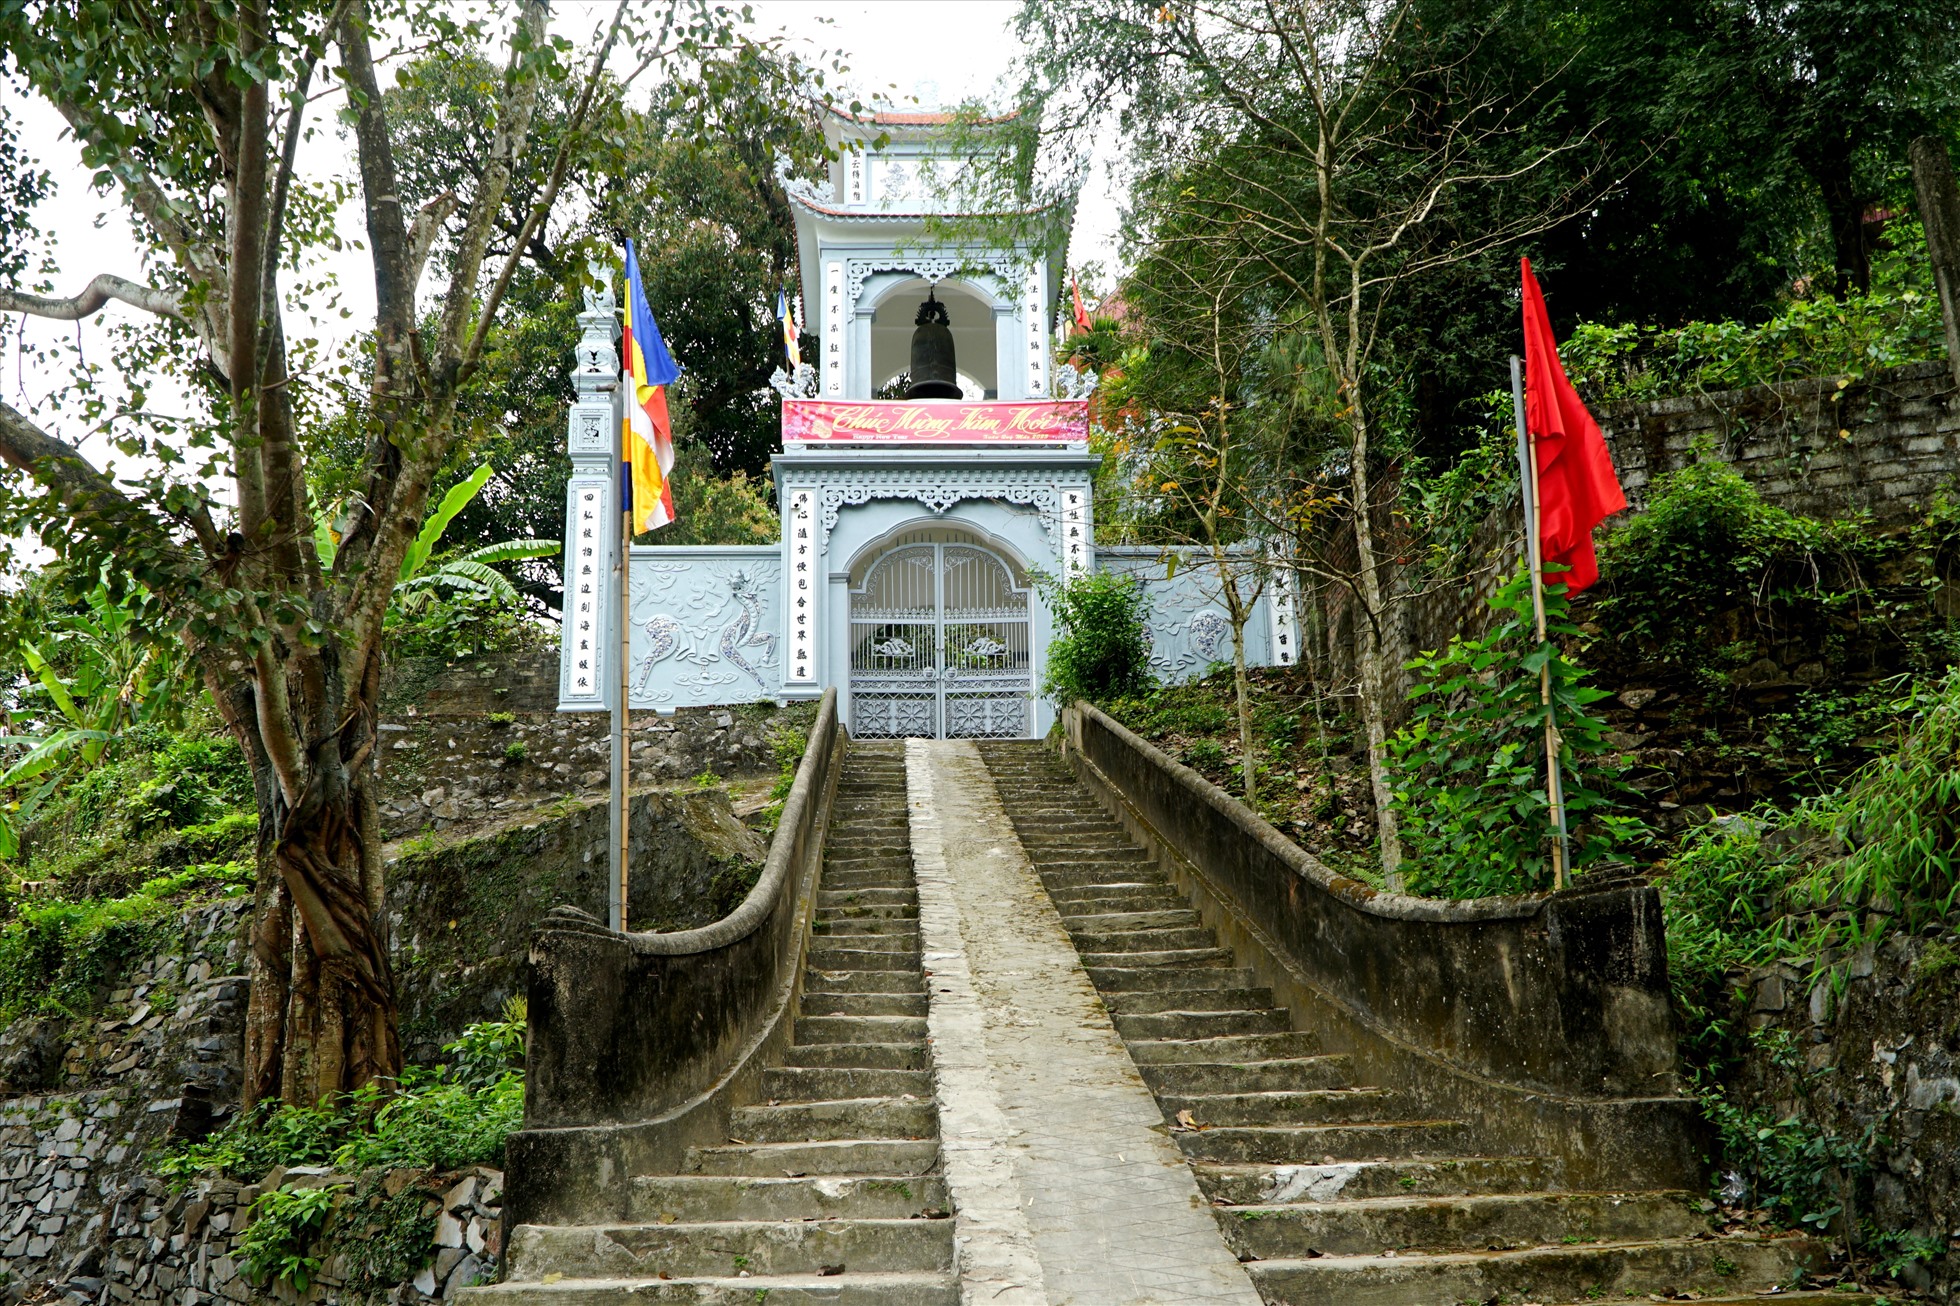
(1075, 383)
(800, 606)
(933, 270)
(1283, 617)
(833, 329)
(940, 491)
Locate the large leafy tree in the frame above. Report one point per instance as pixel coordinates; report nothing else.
(193, 117)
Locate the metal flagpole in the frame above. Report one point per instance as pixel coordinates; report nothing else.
(623, 574)
(1528, 470)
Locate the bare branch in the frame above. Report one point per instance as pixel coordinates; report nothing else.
(98, 294)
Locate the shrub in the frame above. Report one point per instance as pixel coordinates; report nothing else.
(1103, 649)
(1468, 771)
(279, 1245)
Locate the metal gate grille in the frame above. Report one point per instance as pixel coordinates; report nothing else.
(940, 647)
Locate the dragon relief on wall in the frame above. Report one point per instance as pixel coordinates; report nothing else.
(712, 619)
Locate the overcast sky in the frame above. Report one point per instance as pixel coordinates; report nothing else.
(937, 50)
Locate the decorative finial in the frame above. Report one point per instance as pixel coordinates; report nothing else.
(598, 286)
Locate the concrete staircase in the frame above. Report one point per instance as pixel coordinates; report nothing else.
(1332, 1191)
(828, 1188)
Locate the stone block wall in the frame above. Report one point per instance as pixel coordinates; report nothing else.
(483, 741)
(1824, 447)
(1869, 1044)
(155, 1243)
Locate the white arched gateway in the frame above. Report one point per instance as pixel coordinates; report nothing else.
(940, 642)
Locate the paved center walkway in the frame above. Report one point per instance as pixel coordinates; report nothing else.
(1066, 1189)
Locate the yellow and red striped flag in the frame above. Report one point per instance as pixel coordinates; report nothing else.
(647, 451)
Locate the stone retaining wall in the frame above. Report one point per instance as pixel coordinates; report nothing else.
(1869, 1043)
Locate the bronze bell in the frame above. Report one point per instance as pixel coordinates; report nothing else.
(933, 374)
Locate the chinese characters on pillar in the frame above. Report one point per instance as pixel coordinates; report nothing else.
(854, 177)
(1075, 531)
(833, 330)
(1285, 623)
(801, 606)
(585, 581)
(1036, 334)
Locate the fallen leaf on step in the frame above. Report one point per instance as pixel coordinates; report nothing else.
(830, 1269)
(665, 1275)
(795, 1174)
(553, 1277)
(1185, 1120)
(665, 1217)
(935, 1213)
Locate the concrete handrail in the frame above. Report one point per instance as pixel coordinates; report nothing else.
(1564, 994)
(637, 1040)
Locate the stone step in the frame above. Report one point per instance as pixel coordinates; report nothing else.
(855, 1156)
(830, 956)
(866, 927)
(1228, 997)
(1189, 939)
(1278, 1144)
(820, 1083)
(902, 943)
(1157, 979)
(1479, 1223)
(863, 1004)
(896, 892)
(861, 876)
(696, 1198)
(836, 1118)
(1202, 1025)
(1063, 878)
(858, 1056)
(729, 1248)
(930, 1289)
(1257, 1185)
(1089, 899)
(1730, 1267)
(1294, 1074)
(1169, 957)
(1282, 1107)
(1061, 856)
(859, 1029)
(1093, 923)
(863, 981)
(894, 910)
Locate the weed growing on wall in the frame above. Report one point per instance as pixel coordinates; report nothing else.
(438, 1118)
(279, 1245)
(1103, 649)
(1469, 769)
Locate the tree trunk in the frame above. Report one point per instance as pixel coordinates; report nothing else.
(1830, 166)
(1373, 680)
(1939, 210)
(322, 1017)
(1248, 769)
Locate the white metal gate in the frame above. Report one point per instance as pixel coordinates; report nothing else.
(939, 647)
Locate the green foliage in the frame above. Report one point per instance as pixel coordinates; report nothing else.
(436, 1119)
(384, 1245)
(1468, 770)
(461, 624)
(57, 955)
(789, 745)
(1849, 338)
(515, 751)
(279, 1245)
(1103, 649)
(1706, 542)
(1801, 1174)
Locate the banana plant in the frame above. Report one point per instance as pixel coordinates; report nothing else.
(472, 573)
(119, 679)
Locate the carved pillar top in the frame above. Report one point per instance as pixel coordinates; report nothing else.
(596, 375)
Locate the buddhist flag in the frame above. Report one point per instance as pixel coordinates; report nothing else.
(791, 348)
(1577, 488)
(647, 452)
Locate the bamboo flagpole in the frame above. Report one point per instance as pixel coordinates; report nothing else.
(1528, 494)
(623, 572)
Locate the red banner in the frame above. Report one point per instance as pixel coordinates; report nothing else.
(928, 422)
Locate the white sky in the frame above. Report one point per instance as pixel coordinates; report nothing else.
(937, 50)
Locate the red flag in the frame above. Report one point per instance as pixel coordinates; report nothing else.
(1577, 488)
(1081, 314)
